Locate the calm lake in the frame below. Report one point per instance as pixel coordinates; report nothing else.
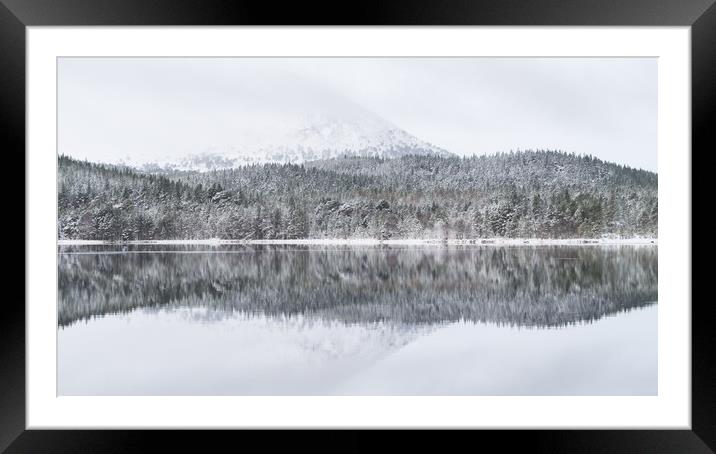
(357, 320)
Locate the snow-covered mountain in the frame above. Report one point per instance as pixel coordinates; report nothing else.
(322, 134)
(264, 115)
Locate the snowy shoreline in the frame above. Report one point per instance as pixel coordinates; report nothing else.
(369, 241)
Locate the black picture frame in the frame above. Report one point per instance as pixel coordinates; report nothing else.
(16, 15)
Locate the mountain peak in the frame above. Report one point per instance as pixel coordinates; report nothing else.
(300, 129)
(314, 136)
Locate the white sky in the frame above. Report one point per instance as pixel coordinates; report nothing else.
(142, 108)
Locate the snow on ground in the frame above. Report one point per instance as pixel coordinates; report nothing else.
(370, 241)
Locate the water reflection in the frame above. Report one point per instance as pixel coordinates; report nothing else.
(522, 286)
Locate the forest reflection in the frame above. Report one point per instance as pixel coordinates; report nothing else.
(414, 285)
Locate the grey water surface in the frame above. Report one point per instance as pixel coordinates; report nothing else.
(357, 320)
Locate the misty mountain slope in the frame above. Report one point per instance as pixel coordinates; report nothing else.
(300, 130)
(361, 134)
(326, 139)
(528, 194)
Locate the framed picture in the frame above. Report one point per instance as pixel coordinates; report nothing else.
(437, 217)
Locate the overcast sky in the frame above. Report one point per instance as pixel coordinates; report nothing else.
(117, 108)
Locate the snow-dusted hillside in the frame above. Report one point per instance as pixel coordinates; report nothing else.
(351, 131)
(323, 137)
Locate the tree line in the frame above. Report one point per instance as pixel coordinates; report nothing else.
(544, 194)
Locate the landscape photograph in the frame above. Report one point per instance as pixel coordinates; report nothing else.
(357, 226)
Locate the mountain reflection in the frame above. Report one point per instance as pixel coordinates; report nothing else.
(523, 286)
